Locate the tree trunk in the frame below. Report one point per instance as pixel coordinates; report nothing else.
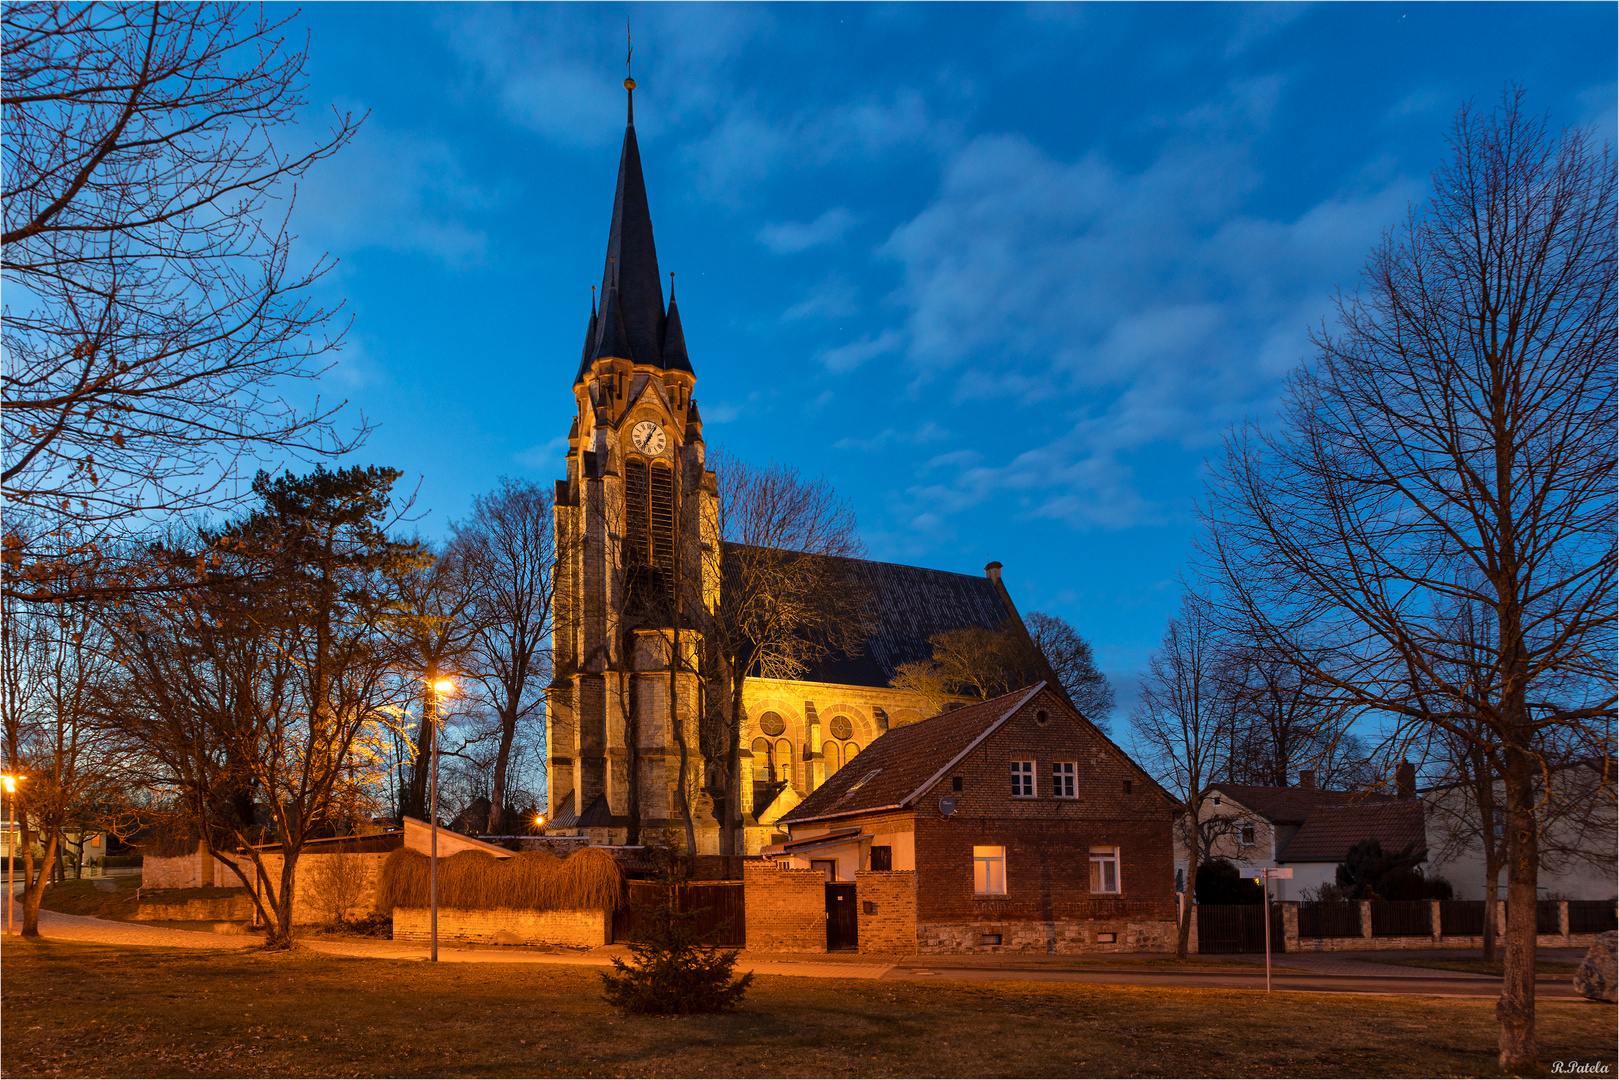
(1183, 936)
(1516, 1009)
(497, 785)
(34, 891)
(278, 935)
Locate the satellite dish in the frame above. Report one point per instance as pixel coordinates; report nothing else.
(947, 806)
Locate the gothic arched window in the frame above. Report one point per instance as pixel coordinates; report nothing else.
(762, 758)
(783, 762)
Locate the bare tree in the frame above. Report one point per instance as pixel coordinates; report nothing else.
(1452, 444)
(273, 684)
(788, 593)
(151, 321)
(437, 628)
(55, 662)
(1070, 659)
(509, 547)
(1182, 724)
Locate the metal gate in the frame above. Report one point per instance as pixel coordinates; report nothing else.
(842, 918)
(721, 920)
(1237, 928)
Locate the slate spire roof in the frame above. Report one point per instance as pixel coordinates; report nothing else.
(632, 289)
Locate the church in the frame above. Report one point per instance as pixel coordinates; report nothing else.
(638, 503)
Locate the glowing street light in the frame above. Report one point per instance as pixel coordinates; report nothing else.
(9, 782)
(442, 688)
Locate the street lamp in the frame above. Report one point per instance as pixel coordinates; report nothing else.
(10, 782)
(442, 688)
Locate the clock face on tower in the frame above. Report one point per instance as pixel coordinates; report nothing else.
(649, 438)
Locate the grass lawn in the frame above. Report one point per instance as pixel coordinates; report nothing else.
(1555, 968)
(87, 1010)
(109, 897)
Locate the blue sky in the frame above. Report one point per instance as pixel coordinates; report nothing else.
(1003, 274)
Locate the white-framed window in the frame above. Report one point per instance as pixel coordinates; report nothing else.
(989, 871)
(1246, 835)
(1022, 779)
(1062, 779)
(1104, 869)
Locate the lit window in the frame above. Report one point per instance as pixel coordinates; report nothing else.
(1104, 869)
(1247, 835)
(989, 871)
(1062, 779)
(1022, 779)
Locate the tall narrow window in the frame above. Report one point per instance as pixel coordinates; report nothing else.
(636, 549)
(783, 762)
(1104, 869)
(1062, 779)
(762, 755)
(1022, 779)
(661, 520)
(989, 871)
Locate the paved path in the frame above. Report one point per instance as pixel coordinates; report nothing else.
(1336, 973)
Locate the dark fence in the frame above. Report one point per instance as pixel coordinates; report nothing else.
(1547, 918)
(1329, 918)
(1461, 917)
(1238, 928)
(1591, 916)
(1402, 918)
(722, 920)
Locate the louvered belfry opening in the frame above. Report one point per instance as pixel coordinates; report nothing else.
(649, 536)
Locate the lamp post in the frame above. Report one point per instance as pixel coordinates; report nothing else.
(442, 689)
(10, 782)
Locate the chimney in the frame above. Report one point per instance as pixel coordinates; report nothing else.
(993, 572)
(1307, 779)
(1405, 781)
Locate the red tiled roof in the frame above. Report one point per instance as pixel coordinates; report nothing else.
(1330, 831)
(904, 759)
(1292, 805)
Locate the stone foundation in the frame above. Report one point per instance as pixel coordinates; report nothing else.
(507, 926)
(1062, 937)
(235, 908)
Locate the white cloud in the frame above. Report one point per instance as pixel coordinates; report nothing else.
(397, 191)
(791, 237)
(833, 298)
(1148, 307)
(544, 456)
(846, 358)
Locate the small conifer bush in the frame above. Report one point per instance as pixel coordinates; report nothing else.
(673, 971)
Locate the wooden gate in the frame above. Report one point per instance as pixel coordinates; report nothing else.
(1238, 928)
(842, 918)
(721, 918)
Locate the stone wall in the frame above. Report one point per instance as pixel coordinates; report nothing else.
(306, 905)
(237, 907)
(887, 902)
(1062, 937)
(786, 909)
(193, 871)
(507, 926)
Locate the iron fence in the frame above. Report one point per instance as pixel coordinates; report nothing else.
(1329, 918)
(1461, 917)
(1238, 928)
(1548, 920)
(1591, 916)
(1402, 918)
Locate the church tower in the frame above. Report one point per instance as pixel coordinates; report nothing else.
(634, 519)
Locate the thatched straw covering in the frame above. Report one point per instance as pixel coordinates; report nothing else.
(587, 880)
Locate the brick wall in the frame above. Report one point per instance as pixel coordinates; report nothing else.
(786, 909)
(506, 926)
(887, 911)
(1047, 839)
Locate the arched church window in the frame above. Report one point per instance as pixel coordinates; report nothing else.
(849, 751)
(834, 760)
(771, 724)
(784, 760)
(649, 529)
(841, 728)
(763, 769)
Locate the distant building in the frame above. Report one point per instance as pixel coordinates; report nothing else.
(637, 428)
(1010, 825)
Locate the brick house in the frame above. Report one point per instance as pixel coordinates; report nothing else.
(1010, 825)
